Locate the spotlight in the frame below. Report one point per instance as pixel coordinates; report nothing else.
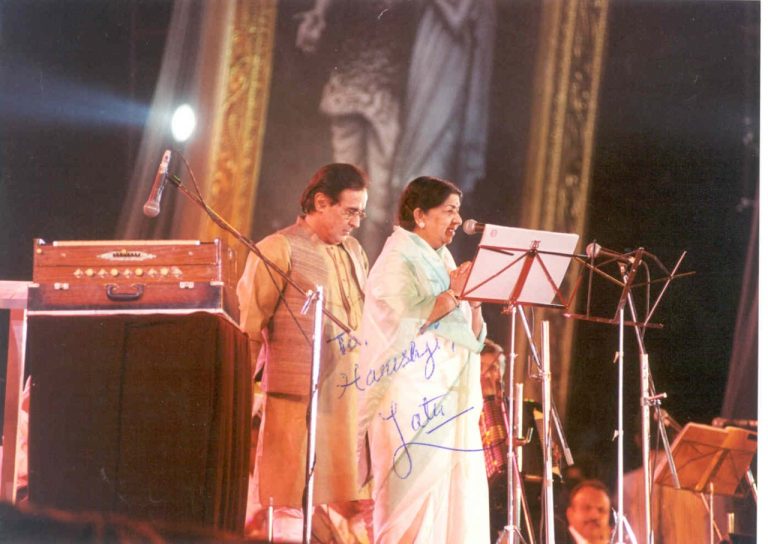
(183, 123)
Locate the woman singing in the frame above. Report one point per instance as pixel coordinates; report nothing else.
(419, 379)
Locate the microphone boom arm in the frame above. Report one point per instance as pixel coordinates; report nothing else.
(250, 244)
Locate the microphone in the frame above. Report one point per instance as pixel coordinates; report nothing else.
(728, 422)
(594, 250)
(471, 227)
(152, 206)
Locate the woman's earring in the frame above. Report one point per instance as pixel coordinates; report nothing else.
(420, 224)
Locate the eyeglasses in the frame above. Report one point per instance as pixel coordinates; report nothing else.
(349, 213)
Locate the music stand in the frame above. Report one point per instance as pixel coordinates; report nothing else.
(710, 460)
(707, 455)
(628, 266)
(523, 267)
(503, 272)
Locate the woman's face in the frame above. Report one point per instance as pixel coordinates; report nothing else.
(438, 225)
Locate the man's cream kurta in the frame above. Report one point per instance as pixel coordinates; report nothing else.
(341, 270)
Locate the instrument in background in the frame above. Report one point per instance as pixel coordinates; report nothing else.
(494, 430)
(494, 423)
(94, 276)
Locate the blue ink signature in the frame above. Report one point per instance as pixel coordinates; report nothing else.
(430, 409)
(403, 447)
(346, 342)
(391, 366)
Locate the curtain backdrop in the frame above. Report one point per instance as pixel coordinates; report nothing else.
(741, 390)
(560, 150)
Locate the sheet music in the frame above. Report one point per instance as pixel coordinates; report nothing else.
(492, 279)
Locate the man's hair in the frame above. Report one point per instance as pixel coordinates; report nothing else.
(492, 348)
(331, 180)
(594, 484)
(489, 346)
(425, 193)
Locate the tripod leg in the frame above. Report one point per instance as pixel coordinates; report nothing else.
(752, 484)
(709, 505)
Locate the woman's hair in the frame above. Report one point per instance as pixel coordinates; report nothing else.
(331, 180)
(425, 192)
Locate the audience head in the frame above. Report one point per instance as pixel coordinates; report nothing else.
(589, 509)
(492, 363)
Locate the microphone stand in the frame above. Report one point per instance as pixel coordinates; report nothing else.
(515, 485)
(320, 311)
(312, 415)
(648, 398)
(251, 245)
(620, 429)
(550, 415)
(648, 395)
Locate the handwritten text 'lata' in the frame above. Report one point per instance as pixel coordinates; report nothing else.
(431, 410)
(393, 365)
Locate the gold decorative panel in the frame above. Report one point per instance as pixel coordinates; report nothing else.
(560, 151)
(241, 117)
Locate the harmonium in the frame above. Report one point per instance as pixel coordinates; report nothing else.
(142, 276)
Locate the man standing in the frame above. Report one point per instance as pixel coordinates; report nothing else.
(316, 250)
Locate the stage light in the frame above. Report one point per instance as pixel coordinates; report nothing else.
(38, 98)
(183, 123)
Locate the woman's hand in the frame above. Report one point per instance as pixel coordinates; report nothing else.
(458, 280)
(458, 277)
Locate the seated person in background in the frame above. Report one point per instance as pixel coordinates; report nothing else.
(492, 364)
(588, 513)
(494, 433)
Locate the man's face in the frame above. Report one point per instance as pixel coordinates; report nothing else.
(490, 372)
(337, 221)
(588, 513)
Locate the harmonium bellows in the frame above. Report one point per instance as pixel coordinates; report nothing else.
(134, 275)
